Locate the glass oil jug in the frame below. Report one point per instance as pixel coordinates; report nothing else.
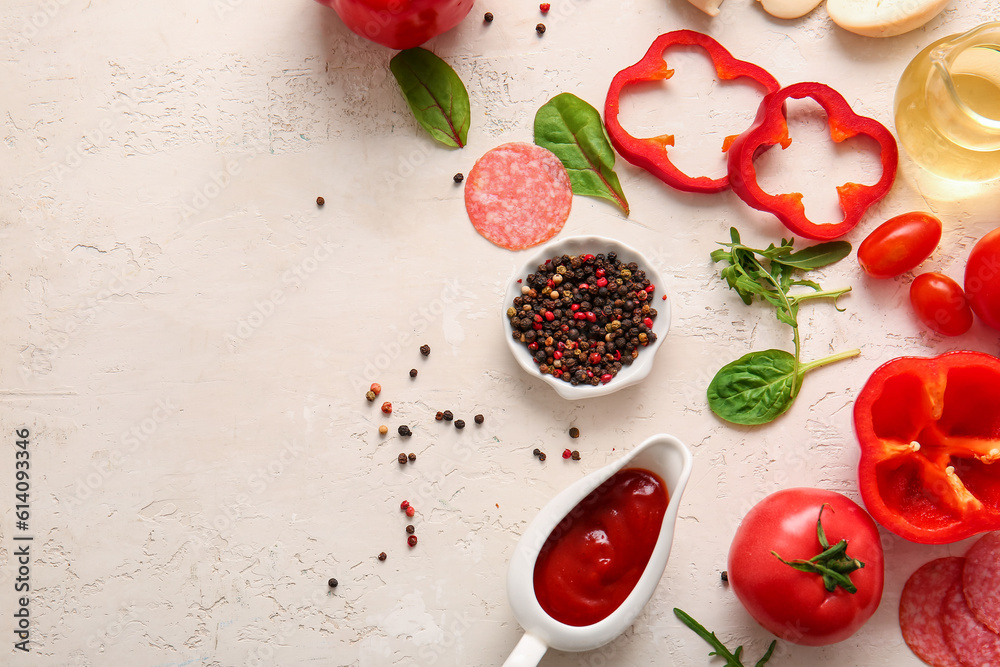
(947, 106)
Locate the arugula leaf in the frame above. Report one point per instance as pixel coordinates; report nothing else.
(572, 129)
(732, 659)
(760, 386)
(436, 95)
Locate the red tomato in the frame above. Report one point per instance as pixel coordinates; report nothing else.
(982, 279)
(940, 304)
(400, 24)
(899, 245)
(795, 605)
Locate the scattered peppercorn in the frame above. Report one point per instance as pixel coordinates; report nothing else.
(425, 350)
(383, 429)
(574, 432)
(319, 202)
(382, 556)
(567, 453)
(332, 583)
(540, 28)
(479, 419)
(410, 529)
(387, 408)
(410, 511)
(370, 395)
(402, 459)
(545, 7)
(412, 540)
(439, 416)
(412, 457)
(575, 454)
(404, 431)
(488, 17)
(584, 317)
(541, 456)
(459, 177)
(725, 576)
(376, 387)
(448, 416)
(413, 372)
(403, 505)
(459, 423)
(536, 452)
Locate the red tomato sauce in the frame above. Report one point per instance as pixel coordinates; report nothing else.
(592, 560)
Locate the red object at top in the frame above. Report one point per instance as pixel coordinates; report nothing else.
(651, 153)
(400, 24)
(595, 556)
(771, 127)
(929, 431)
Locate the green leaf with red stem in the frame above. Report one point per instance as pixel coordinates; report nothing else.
(436, 95)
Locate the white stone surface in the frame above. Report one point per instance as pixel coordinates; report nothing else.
(189, 338)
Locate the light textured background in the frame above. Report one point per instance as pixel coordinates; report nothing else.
(189, 338)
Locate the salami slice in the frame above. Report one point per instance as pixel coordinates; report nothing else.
(518, 195)
(973, 643)
(980, 580)
(920, 610)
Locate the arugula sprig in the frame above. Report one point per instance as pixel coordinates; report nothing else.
(732, 659)
(760, 386)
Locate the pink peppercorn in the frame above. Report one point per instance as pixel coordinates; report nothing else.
(567, 453)
(410, 511)
(387, 408)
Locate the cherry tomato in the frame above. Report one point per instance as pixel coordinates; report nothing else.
(940, 304)
(796, 605)
(982, 279)
(899, 244)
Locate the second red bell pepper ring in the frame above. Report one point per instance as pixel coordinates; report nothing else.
(771, 127)
(929, 431)
(651, 153)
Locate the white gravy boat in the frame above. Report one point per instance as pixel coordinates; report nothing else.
(662, 454)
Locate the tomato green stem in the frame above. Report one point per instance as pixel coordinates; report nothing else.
(833, 563)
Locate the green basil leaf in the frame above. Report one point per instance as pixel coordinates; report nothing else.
(754, 389)
(436, 95)
(572, 129)
(817, 255)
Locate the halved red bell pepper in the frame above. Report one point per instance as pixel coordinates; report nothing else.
(771, 127)
(651, 153)
(929, 430)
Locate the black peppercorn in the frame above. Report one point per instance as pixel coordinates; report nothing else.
(413, 372)
(459, 177)
(541, 456)
(540, 28)
(411, 457)
(479, 419)
(319, 202)
(425, 350)
(404, 431)
(382, 556)
(448, 416)
(459, 423)
(402, 459)
(575, 455)
(725, 576)
(488, 17)
(536, 452)
(410, 529)
(332, 583)
(574, 432)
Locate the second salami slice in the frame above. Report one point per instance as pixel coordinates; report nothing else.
(920, 610)
(518, 195)
(979, 580)
(973, 643)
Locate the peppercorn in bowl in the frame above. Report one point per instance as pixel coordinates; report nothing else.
(586, 314)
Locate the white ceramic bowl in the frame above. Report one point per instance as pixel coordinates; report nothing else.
(581, 245)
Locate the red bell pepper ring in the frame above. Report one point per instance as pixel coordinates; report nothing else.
(400, 24)
(771, 127)
(651, 153)
(929, 431)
